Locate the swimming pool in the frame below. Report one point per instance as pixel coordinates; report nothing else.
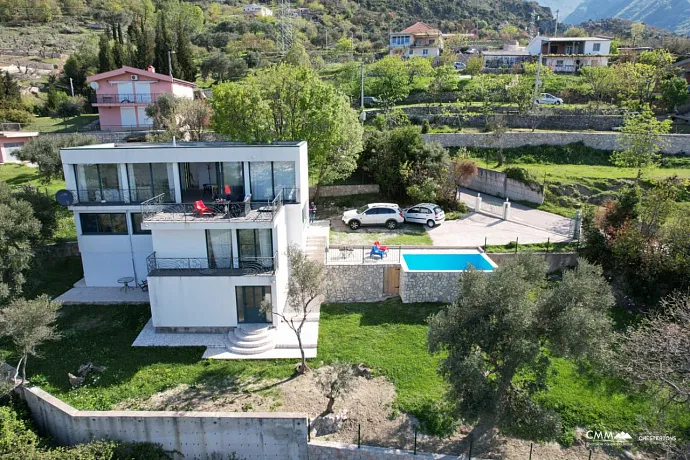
(446, 261)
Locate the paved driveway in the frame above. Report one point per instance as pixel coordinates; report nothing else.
(472, 230)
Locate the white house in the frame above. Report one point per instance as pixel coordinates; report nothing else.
(257, 10)
(417, 40)
(208, 269)
(570, 54)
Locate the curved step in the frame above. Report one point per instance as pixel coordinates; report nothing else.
(251, 339)
(239, 335)
(252, 351)
(251, 343)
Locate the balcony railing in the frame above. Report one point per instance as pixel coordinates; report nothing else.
(156, 210)
(564, 68)
(211, 266)
(121, 196)
(125, 98)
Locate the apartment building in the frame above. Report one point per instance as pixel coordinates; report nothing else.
(206, 224)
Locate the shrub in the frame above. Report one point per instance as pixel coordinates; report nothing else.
(519, 174)
(15, 116)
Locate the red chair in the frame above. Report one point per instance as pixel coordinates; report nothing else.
(228, 191)
(202, 210)
(378, 245)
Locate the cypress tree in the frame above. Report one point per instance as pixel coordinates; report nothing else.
(162, 46)
(187, 69)
(106, 61)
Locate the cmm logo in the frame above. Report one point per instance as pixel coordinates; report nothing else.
(607, 436)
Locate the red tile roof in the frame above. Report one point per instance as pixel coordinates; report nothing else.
(419, 28)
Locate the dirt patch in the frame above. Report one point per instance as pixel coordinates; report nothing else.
(370, 405)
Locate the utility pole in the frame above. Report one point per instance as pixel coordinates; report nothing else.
(170, 52)
(537, 82)
(555, 30)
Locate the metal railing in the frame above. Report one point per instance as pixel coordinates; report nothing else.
(125, 98)
(156, 209)
(211, 266)
(121, 196)
(564, 68)
(360, 255)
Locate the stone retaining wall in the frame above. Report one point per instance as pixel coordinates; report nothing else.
(428, 286)
(354, 283)
(498, 184)
(676, 144)
(199, 435)
(557, 260)
(344, 190)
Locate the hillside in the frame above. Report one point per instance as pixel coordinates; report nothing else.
(668, 14)
(564, 7)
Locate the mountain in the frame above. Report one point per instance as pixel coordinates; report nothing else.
(668, 14)
(564, 7)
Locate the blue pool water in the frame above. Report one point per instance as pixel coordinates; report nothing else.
(446, 262)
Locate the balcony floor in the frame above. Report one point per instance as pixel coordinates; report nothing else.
(251, 216)
(81, 294)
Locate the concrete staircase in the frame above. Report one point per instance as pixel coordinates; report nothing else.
(316, 247)
(251, 339)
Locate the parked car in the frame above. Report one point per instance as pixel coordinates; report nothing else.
(547, 98)
(388, 214)
(370, 101)
(425, 213)
(459, 65)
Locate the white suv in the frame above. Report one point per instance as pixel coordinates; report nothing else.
(547, 98)
(388, 214)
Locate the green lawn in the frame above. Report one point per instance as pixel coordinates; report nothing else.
(58, 125)
(406, 235)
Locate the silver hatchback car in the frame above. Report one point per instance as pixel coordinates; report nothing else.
(425, 213)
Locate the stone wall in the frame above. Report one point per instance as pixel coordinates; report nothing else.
(354, 283)
(676, 144)
(498, 184)
(344, 190)
(326, 450)
(556, 260)
(428, 286)
(198, 435)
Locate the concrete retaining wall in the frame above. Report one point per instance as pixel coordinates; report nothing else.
(324, 450)
(198, 435)
(498, 184)
(344, 190)
(567, 122)
(556, 260)
(354, 283)
(676, 144)
(428, 287)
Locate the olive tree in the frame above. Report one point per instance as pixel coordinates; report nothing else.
(500, 326)
(45, 152)
(305, 284)
(29, 324)
(335, 381)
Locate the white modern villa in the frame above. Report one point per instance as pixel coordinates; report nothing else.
(206, 224)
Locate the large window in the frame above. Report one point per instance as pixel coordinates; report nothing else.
(136, 225)
(232, 187)
(596, 47)
(256, 246)
(98, 183)
(269, 178)
(219, 248)
(97, 224)
(147, 180)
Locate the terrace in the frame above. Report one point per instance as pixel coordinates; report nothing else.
(211, 266)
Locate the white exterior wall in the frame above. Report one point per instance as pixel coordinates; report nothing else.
(280, 241)
(605, 47)
(183, 91)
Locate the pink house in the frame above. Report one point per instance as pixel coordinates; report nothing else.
(123, 94)
(10, 142)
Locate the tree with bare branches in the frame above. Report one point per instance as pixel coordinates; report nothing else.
(305, 284)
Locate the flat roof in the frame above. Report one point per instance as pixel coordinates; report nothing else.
(506, 53)
(178, 145)
(574, 39)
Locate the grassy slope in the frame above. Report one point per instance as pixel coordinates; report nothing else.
(58, 125)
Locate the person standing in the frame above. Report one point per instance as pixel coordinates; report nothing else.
(312, 212)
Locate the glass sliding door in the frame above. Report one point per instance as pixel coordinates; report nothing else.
(255, 247)
(284, 180)
(219, 248)
(249, 300)
(97, 183)
(261, 180)
(232, 181)
(147, 180)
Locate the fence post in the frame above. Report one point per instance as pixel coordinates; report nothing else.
(530, 451)
(578, 224)
(478, 202)
(516, 244)
(308, 429)
(548, 240)
(415, 441)
(469, 455)
(359, 435)
(590, 454)
(506, 210)
(484, 244)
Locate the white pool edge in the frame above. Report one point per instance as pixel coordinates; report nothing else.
(405, 268)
